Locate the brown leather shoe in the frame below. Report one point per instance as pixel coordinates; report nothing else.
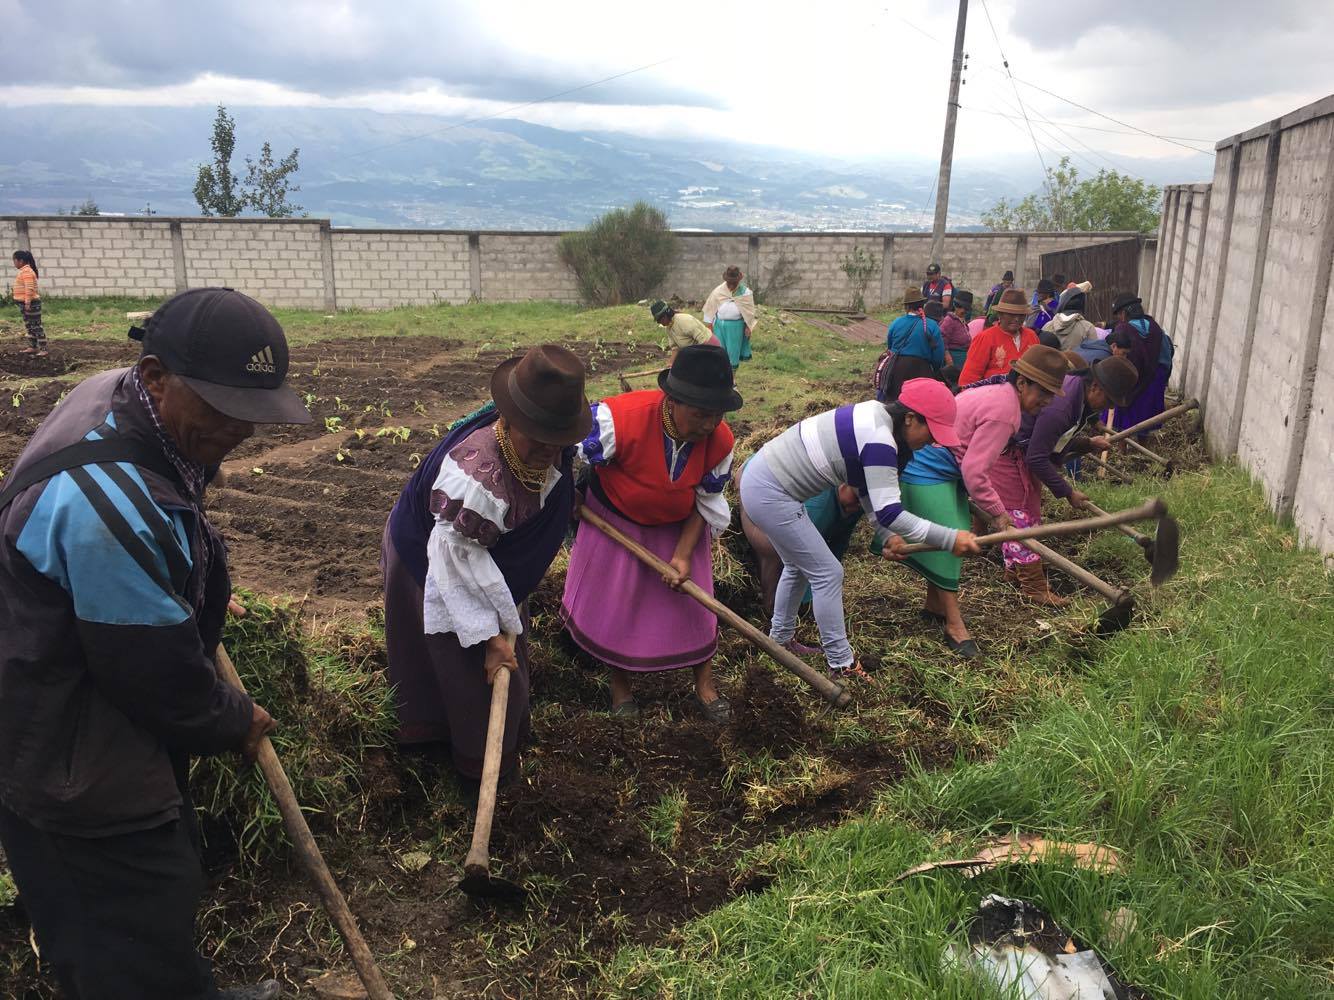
(1033, 585)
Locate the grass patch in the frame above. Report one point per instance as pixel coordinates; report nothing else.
(335, 717)
(1200, 745)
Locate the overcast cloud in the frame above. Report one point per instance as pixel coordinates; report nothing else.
(852, 78)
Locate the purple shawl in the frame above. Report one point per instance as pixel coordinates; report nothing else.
(1145, 349)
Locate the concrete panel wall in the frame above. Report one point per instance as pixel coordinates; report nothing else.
(1283, 312)
(1314, 497)
(378, 269)
(1250, 289)
(701, 263)
(279, 263)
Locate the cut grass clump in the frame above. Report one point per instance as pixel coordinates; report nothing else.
(334, 717)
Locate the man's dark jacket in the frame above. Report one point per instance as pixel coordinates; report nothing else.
(107, 684)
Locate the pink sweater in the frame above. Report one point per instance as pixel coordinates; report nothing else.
(986, 419)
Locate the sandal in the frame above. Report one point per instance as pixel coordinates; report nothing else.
(27, 350)
(931, 617)
(717, 712)
(965, 648)
(625, 710)
(856, 671)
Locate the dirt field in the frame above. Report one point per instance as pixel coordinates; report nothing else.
(622, 831)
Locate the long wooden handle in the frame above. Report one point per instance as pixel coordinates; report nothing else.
(1139, 447)
(309, 853)
(1154, 421)
(828, 689)
(479, 854)
(1117, 595)
(1125, 529)
(1112, 471)
(1152, 508)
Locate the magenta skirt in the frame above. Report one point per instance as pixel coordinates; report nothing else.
(620, 611)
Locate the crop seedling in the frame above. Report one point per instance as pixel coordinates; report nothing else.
(332, 425)
(400, 434)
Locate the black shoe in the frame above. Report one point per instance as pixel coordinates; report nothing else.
(931, 617)
(270, 989)
(967, 649)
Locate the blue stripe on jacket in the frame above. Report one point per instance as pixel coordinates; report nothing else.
(66, 540)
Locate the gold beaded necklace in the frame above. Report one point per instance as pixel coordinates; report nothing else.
(532, 478)
(668, 424)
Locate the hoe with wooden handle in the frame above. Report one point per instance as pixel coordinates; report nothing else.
(309, 853)
(829, 690)
(478, 881)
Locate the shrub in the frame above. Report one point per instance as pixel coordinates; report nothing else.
(623, 255)
(859, 266)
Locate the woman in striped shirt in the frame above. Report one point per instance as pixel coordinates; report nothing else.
(864, 445)
(29, 302)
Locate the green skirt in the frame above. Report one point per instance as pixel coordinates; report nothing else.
(947, 504)
(731, 333)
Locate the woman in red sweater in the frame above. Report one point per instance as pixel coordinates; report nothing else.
(660, 459)
(997, 347)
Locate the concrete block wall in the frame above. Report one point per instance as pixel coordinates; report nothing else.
(1244, 284)
(518, 267)
(703, 258)
(278, 262)
(379, 268)
(78, 256)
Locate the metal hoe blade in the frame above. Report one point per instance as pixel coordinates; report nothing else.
(481, 885)
(1115, 618)
(1166, 550)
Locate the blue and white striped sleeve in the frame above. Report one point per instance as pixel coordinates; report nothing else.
(599, 447)
(710, 500)
(879, 463)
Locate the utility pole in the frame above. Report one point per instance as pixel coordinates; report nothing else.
(947, 146)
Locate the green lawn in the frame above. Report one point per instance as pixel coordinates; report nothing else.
(1201, 745)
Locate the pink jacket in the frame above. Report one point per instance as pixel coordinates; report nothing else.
(987, 418)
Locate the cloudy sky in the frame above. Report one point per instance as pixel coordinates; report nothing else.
(850, 78)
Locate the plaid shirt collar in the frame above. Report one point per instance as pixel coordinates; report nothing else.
(192, 474)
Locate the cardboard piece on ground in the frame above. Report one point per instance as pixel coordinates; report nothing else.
(1028, 848)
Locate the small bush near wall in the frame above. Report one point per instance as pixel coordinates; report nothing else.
(622, 256)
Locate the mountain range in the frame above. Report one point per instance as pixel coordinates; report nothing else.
(363, 168)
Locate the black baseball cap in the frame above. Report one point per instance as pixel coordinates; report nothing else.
(229, 349)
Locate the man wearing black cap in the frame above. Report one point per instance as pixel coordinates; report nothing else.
(937, 287)
(113, 590)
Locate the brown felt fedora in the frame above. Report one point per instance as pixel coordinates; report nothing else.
(1044, 365)
(542, 394)
(1117, 376)
(912, 297)
(1013, 301)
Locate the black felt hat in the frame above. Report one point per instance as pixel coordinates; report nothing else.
(701, 376)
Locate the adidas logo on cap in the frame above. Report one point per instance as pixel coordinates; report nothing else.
(262, 361)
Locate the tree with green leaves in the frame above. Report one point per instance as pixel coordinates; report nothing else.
(267, 184)
(1110, 201)
(622, 256)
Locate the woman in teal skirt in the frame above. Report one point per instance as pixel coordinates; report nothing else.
(729, 312)
(932, 488)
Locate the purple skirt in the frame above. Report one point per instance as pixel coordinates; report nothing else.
(620, 611)
(1148, 403)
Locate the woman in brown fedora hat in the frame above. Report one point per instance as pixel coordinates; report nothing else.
(469, 539)
(914, 348)
(660, 459)
(997, 347)
(989, 416)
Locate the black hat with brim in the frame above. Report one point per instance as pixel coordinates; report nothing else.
(1124, 300)
(701, 376)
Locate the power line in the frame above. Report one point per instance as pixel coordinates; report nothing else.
(1133, 129)
(1024, 111)
(506, 111)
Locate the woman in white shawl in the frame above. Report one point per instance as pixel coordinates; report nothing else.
(729, 312)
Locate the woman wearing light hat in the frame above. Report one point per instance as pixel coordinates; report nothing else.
(993, 468)
(469, 539)
(997, 347)
(864, 445)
